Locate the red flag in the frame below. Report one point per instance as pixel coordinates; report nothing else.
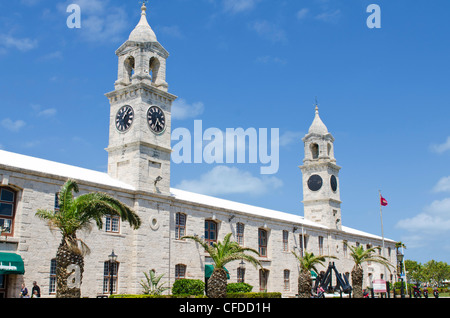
(383, 201)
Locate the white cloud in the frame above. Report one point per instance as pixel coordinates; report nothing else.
(440, 148)
(237, 6)
(329, 16)
(100, 20)
(269, 31)
(182, 110)
(301, 14)
(434, 220)
(21, 44)
(291, 137)
(48, 112)
(11, 125)
(223, 180)
(443, 185)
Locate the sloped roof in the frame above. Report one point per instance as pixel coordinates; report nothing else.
(47, 167)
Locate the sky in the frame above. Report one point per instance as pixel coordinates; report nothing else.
(382, 92)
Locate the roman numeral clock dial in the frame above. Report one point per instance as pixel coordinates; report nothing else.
(156, 119)
(124, 118)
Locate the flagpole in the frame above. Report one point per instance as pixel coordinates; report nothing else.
(382, 232)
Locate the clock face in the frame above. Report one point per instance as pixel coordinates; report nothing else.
(124, 118)
(333, 183)
(315, 182)
(156, 119)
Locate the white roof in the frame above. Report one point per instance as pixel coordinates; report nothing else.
(47, 167)
(318, 126)
(59, 169)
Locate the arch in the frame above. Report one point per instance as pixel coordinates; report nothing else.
(314, 150)
(129, 65)
(154, 65)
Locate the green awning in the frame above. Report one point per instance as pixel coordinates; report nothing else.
(313, 274)
(209, 269)
(11, 263)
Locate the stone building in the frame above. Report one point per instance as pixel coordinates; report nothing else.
(139, 175)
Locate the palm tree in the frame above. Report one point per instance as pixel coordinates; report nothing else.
(75, 214)
(307, 262)
(221, 254)
(151, 286)
(361, 256)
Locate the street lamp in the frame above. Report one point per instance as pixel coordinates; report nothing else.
(112, 262)
(400, 260)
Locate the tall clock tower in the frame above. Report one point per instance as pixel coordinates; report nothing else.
(140, 116)
(321, 197)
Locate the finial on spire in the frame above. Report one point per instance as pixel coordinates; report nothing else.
(317, 106)
(144, 7)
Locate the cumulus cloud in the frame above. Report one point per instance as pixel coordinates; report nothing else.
(224, 180)
(440, 148)
(12, 125)
(181, 109)
(22, 44)
(237, 6)
(269, 31)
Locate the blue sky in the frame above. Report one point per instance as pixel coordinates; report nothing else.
(383, 94)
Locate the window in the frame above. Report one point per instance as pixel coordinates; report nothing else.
(321, 245)
(7, 211)
(110, 276)
(240, 233)
(180, 271)
(52, 283)
(303, 243)
(285, 241)
(180, 225)
(154, 69)
(262, 242)
(210, 232)
(345, 248)
(263, 279)
(315, 151)
(112, 223)
(129, 68)
(286, 275)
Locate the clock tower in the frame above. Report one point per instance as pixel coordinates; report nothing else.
(321, 197)
(140, 113)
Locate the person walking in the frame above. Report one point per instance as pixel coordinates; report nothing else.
(36, 290)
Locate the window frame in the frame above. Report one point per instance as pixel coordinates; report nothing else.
(14, 208)
(209, 230)
(180, 226)
(263, 242)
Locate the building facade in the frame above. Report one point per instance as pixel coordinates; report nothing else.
(139, 175)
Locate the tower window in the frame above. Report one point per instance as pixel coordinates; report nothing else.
(154, 69)
(129, 68)
(315, 151)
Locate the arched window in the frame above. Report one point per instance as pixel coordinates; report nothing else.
(286, 282)
(180, 271)
(314, 151)
(154, 69)
(262, 242)
(7, 210)
(129, 68)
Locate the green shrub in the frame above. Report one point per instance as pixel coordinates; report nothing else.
(188, 287)
(239, 288)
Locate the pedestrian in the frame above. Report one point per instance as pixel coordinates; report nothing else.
(36, 291)
(24, 292)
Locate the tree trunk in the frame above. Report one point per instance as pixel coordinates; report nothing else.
(304, 284)
(357, 281)
(69, 269)
(217, 284)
